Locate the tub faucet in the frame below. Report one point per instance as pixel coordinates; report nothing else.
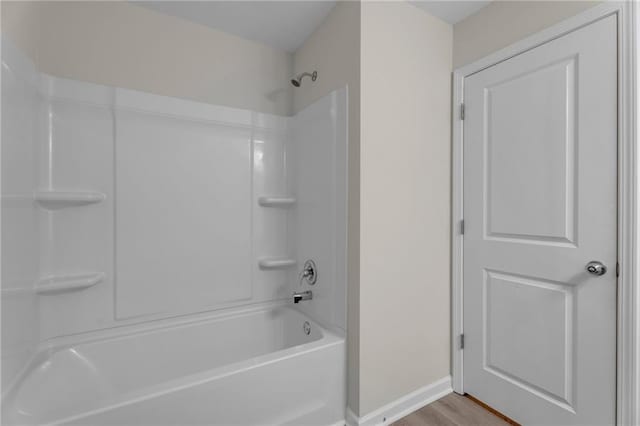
(303, 295)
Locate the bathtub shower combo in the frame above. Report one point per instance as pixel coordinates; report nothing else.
(153, 249)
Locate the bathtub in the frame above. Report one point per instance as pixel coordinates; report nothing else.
(259, 367)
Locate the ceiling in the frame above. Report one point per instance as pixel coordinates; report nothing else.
(451, 11)
(284, 25)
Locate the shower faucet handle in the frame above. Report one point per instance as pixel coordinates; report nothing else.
(309, 272)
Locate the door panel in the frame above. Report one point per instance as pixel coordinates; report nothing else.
(540, 172)
(518, 173)
(518, 308)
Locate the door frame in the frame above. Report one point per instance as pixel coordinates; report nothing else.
(628, 305)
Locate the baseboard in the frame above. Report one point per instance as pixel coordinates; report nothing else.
(403, 406)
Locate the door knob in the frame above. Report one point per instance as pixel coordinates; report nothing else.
(596, 268)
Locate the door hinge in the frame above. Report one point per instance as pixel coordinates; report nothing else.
(462, 341)
(462, 227)
(617, 269)
(461, 111)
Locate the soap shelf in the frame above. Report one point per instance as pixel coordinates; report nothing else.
(276, 201)
(63, 283)
(54, 200)
(276, 263)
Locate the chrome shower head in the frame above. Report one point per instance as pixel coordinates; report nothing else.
(298, 80)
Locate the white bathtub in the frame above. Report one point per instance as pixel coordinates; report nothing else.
(258, 367)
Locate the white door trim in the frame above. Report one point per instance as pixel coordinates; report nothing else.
(628, 333)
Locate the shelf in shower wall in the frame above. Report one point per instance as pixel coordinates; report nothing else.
(276, 201)
(54, 200)
(63, 283)
(276, 263)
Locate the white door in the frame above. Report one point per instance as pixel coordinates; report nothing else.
(540, 147)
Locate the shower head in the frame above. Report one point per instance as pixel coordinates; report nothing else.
(298, 80)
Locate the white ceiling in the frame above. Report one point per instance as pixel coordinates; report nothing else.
(284, 25)
(452, 11)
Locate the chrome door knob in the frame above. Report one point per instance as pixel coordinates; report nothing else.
(596, 268)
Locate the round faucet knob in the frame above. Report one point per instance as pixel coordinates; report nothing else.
(309, 272)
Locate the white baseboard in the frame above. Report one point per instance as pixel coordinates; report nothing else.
(403, 406)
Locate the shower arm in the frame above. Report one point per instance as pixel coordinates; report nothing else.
(297, 81)
(313, 75)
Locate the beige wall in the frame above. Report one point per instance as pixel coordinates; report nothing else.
(121, 44)
(502, 23)
(19, 21)
(334, 51)
(404, 201)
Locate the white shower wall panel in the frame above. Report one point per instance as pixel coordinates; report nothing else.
(179, 231)
(78, 156)
(20, 242)
(319, 135)
(183, 214)
(272, 227)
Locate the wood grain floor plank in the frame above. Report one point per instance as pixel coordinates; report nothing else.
(451, 410)
(432, 417)
(465, 412)
(421, 418)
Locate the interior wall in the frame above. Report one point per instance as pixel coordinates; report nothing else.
(334, 51)
(125, 45)
(20, 23)
(502, 23)
(405, 201)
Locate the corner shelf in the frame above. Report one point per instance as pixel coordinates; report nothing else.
(276, 201)
(54, 200)
(276, 263)
(63, 283)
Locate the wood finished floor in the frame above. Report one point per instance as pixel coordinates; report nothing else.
(452, 410)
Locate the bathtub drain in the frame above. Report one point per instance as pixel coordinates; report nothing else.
(306, 327)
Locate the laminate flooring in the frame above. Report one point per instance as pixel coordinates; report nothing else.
(452, 410)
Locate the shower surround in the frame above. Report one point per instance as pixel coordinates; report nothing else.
(166, 230)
